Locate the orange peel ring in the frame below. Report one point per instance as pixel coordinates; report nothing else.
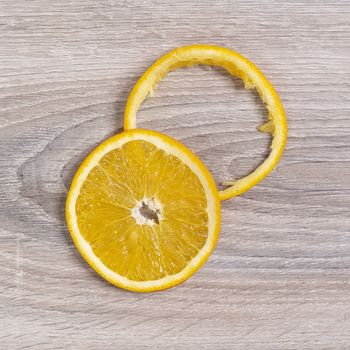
(236, 65)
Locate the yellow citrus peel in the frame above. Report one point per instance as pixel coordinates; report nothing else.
(236, 65)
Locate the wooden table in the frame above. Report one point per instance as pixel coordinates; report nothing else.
(280, 275)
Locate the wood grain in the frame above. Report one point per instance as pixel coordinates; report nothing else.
(280, 275)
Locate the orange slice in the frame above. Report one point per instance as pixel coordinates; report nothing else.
(143, 211)
(236, 65)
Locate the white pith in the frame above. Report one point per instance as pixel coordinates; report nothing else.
(153, 204)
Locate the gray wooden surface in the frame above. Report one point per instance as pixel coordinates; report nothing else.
(280, 275)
